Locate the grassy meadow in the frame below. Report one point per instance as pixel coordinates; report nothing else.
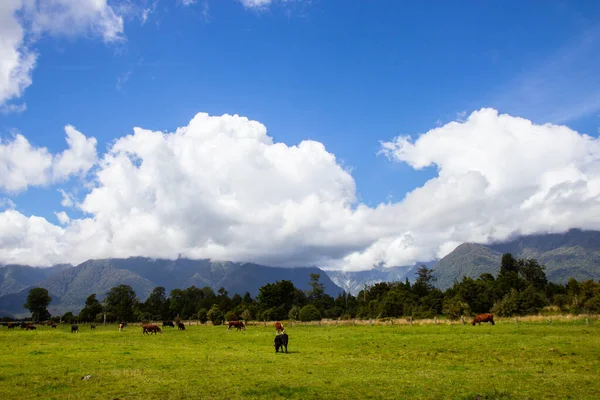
(535, 360)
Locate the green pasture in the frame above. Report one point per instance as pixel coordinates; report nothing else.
(532, 361)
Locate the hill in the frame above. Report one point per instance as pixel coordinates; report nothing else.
(69, 287)
(575, 253)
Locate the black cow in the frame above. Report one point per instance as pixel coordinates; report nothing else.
(281, 341)
(92, 326)
(168, 323)
(181, 326)
(74, 328)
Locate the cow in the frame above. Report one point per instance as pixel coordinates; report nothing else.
(151, 328)
(53, 325)
(281, 341)
(24, 325)
(121, 326)
(168, 323)
(180, 326)
(279, 328)
(92, 326)
(237, 324)
(483, 318)
(30, 327)
(11, 325)
(74, 328)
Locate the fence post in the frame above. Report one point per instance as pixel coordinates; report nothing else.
(371, 321)
(517, 321)
(392, 321)
(435, 320)
(462, 319)
(550, 320)
(410, 319)
(587, 322)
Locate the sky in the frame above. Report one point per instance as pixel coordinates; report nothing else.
(344, 134)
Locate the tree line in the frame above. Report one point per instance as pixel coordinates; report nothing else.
(520, 288)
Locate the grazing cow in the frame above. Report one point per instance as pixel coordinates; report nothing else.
(74, 328)
(483, 318)
(152, 328)
(121, 326)
(168, 323)
(281, 341)
(53, 325)
(24, 325)
(11, 325)
(279, 328)
(92, 326)
(237, 324)
(30, 327)
(181, 326)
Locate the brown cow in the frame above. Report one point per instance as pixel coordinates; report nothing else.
(152, 328)
(279, 328)
(483, 318)
(11, 325)
(53, 325)
(180, 326)
(121, 326)
(30, 327)
(237, 324)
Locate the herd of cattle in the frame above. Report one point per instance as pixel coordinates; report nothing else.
(281, 338)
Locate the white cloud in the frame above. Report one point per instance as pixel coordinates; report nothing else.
(221, 188)
(23, 165)
(7, 203)
(78, 158)
(188, 2)
(62, 217)
(23, 21)
(255, 3)
(67, 199)
(13, 108)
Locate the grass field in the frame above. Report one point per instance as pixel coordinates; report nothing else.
(534, 360)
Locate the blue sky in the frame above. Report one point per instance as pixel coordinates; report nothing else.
(348, 74)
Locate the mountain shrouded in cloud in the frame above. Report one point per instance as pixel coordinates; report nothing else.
(221, 188)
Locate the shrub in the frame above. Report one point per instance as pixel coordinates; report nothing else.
(215, 315)
(310, 313)
(294, 313)
(246, 315)
(202, 315)
(231, 316)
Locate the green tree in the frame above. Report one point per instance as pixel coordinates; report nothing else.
(276, 299)
(216, 315)
(37, 302)
(294, 313)
(202, 315)
(246, 315)
(309, 313)
(91, 310)
(120, 301)
(156, 303)
(424, 282)
(231, 316)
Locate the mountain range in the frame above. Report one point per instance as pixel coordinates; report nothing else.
(69, 286)
(575, 253)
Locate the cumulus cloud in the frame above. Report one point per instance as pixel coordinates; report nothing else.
(23, 165)
(221, 188)
(62, 217)
(23, 21)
